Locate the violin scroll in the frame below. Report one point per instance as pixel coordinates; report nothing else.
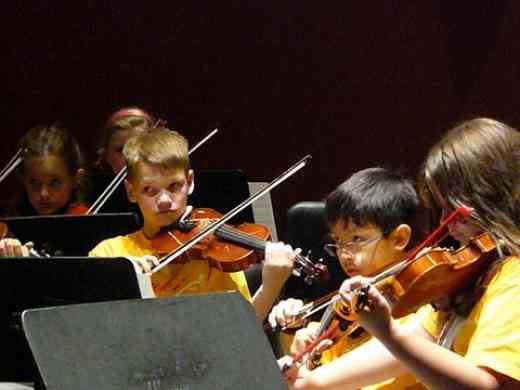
(314, 271)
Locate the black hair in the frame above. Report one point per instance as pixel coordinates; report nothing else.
(376, 195)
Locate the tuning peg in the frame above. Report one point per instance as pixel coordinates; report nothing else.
(297, 272)
(309, 280)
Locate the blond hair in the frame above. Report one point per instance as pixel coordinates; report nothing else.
(160, 147)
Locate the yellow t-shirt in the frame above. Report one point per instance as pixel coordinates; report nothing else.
(490, 336)
(196, 276)
(347, 344)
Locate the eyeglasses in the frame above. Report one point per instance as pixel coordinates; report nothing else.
(349, 247)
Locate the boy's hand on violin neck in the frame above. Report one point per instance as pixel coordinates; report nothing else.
(11, 247)
(284, 314)
(144, 264)
(375, 315)
(278, 265)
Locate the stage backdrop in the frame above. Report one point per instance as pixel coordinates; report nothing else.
(355, 84)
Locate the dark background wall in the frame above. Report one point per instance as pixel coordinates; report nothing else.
(355, 84)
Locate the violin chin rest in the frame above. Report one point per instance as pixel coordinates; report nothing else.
(185, 226)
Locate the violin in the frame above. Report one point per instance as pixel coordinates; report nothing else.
(77, 209)
(423, 280)
(229, 248)
(428, 278)
(232, 235)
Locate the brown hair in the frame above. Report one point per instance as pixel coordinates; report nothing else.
(478, 164)
(41, 141)
(162, 147)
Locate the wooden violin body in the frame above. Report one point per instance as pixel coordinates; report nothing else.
(230, 249)
(437, 274)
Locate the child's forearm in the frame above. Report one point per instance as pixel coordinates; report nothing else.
(366, 365)
(435, 366)
(263, 300)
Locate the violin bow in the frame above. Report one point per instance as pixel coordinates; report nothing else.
(11, 165)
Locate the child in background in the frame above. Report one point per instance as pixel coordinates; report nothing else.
(122, 125)
(52, 171)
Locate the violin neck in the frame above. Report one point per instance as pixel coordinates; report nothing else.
(233, 235)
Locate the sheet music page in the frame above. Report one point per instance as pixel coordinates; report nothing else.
(263, 208)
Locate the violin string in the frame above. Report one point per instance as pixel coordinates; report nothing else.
(325, 320)
(244, 238)
(240, 237)
(304, 261)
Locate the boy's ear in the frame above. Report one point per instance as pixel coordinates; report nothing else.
(191, 181)
(401, 236)
(129, 187)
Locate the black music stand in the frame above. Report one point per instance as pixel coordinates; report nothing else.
(219, 189)
(307, 229)
(207, 341)
(222, 190)
(71, 235)
(32, 282)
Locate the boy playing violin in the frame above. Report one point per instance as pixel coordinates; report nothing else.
(371, 216)
(472, 341)
(159, 182)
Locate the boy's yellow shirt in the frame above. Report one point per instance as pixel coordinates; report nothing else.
(196, 276)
